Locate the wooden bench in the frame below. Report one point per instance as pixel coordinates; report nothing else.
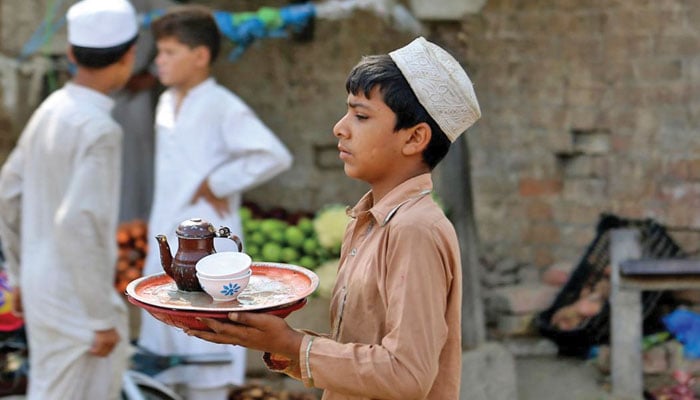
(631, 275)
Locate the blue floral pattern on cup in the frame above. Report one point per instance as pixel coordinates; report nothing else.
(230, 289)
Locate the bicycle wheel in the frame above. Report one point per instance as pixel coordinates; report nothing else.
(139, 386)
(150, 393)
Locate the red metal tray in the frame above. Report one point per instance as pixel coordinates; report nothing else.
(274, 288)
(272, 285)
(188, 319)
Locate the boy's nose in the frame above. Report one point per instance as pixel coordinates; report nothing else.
(338, 128)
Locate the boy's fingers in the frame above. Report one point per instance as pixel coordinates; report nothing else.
(217, 336)
(251, 319)
(213, 324)
(222, 328)
(239, 318)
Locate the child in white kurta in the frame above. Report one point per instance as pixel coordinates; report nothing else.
(59, 200)
(210, 148)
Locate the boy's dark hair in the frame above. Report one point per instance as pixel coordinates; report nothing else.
(380, 70)
(191, 25)
(90, 57)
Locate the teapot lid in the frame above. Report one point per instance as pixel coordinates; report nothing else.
(196, 228)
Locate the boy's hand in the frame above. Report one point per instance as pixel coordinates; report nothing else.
(17, 308)
(219, 204)
(257, 331)
(104, 342)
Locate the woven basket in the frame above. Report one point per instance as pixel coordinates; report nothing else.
(655, 242)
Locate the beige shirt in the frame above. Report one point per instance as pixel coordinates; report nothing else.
(396, 305)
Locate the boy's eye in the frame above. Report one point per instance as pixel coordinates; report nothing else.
(361, 117)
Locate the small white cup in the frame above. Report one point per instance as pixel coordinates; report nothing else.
(226, 264)
(224, 289)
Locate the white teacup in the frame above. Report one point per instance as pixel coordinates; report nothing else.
(226, 264)
(224, 289)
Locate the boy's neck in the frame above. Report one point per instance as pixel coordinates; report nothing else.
(99, 80)
(381, 189)
(182, 89)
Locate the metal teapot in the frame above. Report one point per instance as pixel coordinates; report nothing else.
(195, 239)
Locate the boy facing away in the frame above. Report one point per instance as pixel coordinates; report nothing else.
(396, 305)
(59, 202)
(210, 148)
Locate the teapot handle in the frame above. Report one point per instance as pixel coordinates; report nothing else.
(225, 232)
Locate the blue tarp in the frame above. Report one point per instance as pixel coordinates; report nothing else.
(685, 326)
(241, 28)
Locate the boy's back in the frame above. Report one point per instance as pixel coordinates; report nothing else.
(59, 194)
(69, 138)
(68, 121)
(55, 145)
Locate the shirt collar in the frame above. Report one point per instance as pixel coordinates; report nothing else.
(384, 210)
(92, 96)
(201, 87)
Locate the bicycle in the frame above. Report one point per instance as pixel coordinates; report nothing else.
(137, 382)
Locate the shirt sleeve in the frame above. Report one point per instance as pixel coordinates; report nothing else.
(256, 154)
(11, 178)
(87, 219)
(404, 365)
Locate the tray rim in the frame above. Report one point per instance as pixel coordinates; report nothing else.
(313, 278)
(293, 306)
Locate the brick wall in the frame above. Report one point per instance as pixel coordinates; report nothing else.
(588, 107)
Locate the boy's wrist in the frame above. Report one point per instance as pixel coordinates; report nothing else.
(293, 348)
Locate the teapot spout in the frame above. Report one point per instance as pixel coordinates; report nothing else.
(166, 257)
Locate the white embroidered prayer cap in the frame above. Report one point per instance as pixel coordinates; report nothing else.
(440, 84)
(101, 24)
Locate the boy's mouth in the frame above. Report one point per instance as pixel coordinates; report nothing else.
(343, 151)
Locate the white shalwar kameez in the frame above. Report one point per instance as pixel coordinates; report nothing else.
(59, 194)
(215, 136)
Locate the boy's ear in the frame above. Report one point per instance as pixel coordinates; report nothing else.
(131, 53)
(202, 56)
(71, 55)
(417, 139)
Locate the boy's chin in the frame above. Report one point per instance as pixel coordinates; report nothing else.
(166, 80)
(350, 173)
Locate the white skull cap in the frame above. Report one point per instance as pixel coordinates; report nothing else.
(101, 24)
(440, 84)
